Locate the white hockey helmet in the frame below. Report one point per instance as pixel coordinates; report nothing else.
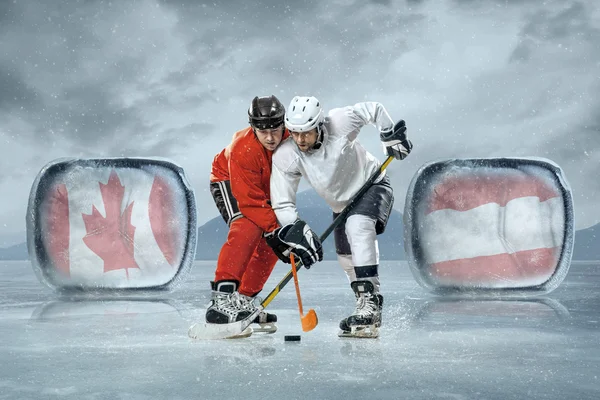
(303, 114)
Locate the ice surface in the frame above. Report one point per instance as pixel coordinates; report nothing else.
(111, 223)
(498, 226)
(430, 347)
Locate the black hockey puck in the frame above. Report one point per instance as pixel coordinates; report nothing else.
(291, 338)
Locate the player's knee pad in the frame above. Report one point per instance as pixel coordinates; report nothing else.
(360, 230)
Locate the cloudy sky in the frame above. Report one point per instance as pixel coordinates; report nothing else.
(174, 79)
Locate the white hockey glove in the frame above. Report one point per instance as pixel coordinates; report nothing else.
(296, 238)
(395, 143)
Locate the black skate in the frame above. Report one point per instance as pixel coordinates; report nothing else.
(366, 319)
(227, 306)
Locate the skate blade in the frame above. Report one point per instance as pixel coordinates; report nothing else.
(206, 331)
(268, 328)
(246, 333)
(361, 331)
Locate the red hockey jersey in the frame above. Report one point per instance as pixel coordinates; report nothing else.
(247, 165)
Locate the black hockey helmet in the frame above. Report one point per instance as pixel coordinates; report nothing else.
(266, 112)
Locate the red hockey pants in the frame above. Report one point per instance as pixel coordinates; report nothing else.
(245, 257)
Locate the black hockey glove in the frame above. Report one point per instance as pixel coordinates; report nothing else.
(280, 248)
(395, 142)
(296, 238)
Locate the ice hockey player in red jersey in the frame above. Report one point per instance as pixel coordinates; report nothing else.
(240, 186)
(325, 151)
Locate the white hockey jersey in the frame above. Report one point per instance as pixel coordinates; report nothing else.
(336, 170)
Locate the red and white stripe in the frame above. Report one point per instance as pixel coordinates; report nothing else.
(495, 228)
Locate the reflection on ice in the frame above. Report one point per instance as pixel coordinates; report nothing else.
(104, 307)
(543, 312)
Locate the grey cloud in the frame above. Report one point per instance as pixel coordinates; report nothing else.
(495, 2)
(90, 107)
(74, 104)
(7, 15)
(585, 138)
(133, 142)
(15, 93)
(593, 125)
(577, 154)
(538, 64)
(85, 114)
(569, 28)
(382, 2)
(572, 21)
(523, 51)
(305, 28)
(254, 13)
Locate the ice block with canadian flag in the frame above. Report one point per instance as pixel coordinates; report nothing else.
(497, 226)
(112, 223)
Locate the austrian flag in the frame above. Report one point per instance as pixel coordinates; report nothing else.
(491, 224)
(111, 223)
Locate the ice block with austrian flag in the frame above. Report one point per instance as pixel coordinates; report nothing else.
(493, 225)
(114, 223)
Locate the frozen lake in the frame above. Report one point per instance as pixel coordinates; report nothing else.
(430, 348)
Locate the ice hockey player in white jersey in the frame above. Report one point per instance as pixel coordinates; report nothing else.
(325, 151)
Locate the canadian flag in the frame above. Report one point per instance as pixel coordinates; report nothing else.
(112, 223)
(486, 225)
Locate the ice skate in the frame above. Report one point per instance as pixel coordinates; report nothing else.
(366, 319)
(227, 306)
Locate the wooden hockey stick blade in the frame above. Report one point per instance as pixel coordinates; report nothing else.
(309, 321)
(205, 331)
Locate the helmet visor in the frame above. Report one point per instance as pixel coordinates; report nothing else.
(266, 123)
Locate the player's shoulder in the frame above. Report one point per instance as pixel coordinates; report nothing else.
(244, 141)
(340, 119)
(339, 113)
(286, 154)
(246, 150)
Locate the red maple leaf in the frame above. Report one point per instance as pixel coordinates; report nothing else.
(111, 237)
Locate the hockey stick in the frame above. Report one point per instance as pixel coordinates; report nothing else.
(202, 330)
(310, 320)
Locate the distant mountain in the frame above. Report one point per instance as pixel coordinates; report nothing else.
(315, 211)
(16, 252)
(318, 215)
(587, 244)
